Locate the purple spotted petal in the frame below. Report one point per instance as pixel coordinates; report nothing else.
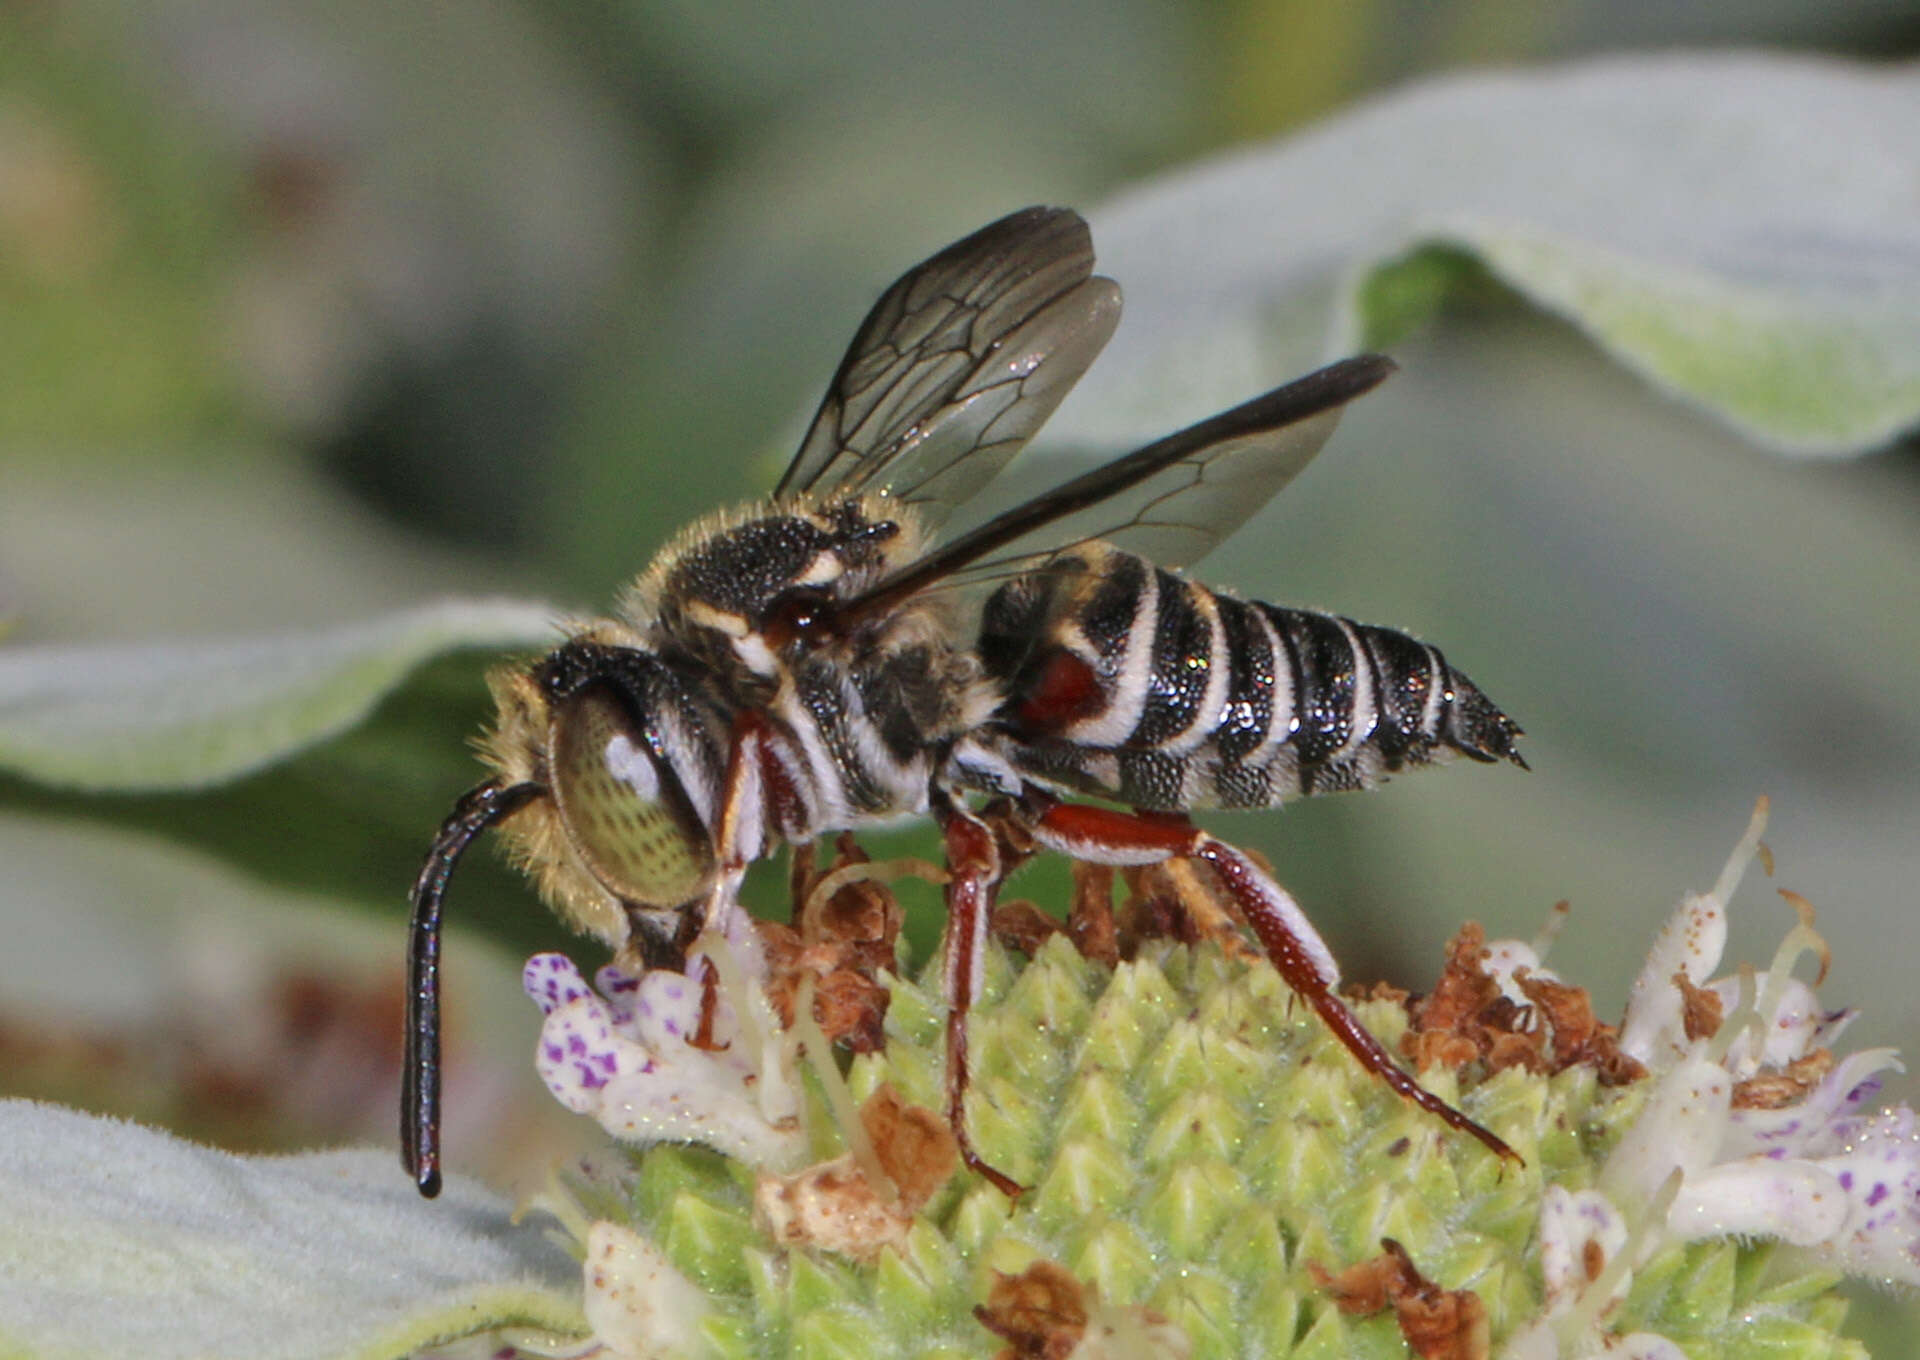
(666, 1008)
(612, 981)
(1806, 1128)
(1880, 1172)
(1790, 1199)
(580, 1053)
(551, 981)
(620, 988)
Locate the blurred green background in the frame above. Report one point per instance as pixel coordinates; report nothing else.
(314, 310)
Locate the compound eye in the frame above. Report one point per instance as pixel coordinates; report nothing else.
(802, 615)
(622, 806)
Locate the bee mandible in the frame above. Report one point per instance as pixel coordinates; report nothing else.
(834, 657)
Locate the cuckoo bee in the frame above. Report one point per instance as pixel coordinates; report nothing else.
(836, 656)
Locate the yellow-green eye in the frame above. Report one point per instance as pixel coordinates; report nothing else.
(623, 809)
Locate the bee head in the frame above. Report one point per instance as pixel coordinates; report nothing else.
(631, 773)
(605, 783)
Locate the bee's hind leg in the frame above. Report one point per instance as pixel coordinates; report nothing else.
(1107, 836)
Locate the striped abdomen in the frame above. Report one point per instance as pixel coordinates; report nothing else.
(1126, 680)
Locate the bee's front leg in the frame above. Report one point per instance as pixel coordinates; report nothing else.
(1107, 836)
(973, 874)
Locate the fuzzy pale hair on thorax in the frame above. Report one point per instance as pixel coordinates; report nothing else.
(639, 603)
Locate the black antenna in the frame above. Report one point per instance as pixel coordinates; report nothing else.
(477, 810)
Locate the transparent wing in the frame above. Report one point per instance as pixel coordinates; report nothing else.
(1171, 501)
(959, 363)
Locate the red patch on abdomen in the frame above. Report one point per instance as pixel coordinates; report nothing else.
(1064, 690)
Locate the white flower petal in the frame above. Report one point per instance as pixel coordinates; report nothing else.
(1784, 1036)
(1796, 1201)
(1680, 1127)
(1571, 1222)
(1691, 942)
(665, 1009)
(639, 1306)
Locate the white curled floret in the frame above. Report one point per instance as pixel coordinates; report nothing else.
(1752, 1130)
(636, 1303)
(1588, 1252)
(1691, 942)
(1578, 1227)
(1505, 959)
(624, 1052)
(1812, 1169)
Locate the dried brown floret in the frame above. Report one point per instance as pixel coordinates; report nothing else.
(1467, 1019)
(1579, 1038)
(1700, 1008)
(915, 1145)
(1440, 1048)
(841, 938)
(1207, 906)
(837, 1207)
(1041, 1313)
(1090, 920)
(1465, 988)
(1182, 901)
(1023, 925)
(830, 1207)
(851, 1007)
(1780, 1087)
(1381, 991)
(1437, 1324)
(1151, 911)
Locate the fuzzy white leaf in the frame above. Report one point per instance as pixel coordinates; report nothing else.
(130, 717)
(1742, 230)
(116, 1240)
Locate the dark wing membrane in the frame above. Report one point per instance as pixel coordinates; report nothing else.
(959, 363)
(1171, 501)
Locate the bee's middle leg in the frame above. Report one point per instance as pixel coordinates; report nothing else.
(973, 875)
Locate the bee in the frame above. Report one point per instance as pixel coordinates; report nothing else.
(834, 657)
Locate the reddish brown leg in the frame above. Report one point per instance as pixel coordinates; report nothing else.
(1296, 949)
(759, 800)
(973, 868)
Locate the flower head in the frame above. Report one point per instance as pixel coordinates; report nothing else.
(1205, 1161)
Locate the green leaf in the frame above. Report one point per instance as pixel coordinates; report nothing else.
(116, 1240)
(1740, 230)
(130, 718)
